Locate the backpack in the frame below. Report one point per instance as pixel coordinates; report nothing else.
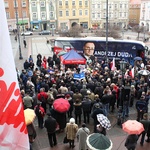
(43, 98)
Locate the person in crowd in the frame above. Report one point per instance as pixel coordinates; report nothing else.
(131, 142)
(97, 110)
(148, 134)
(83, 91)
(132, 95)
(31, 132)
(146, 124)
(141, 107)
(126, 102)
(106, 99)
(77, 95)
(30, 58)
(26, 65)
(42, 97)
(31, 65)
(50, 124)
(100, 129)
(27, 101)
(40, 113)
(25, 43)
(82, 135)
(86, 107)
(78, 110)
(39, 62)
(71, 131)
(70, 100)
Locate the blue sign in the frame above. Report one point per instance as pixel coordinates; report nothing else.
(79, 76)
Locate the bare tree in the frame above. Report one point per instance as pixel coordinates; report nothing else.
(113, 31)
(138, 29)
(74, 31)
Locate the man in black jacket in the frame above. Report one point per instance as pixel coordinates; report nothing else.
(51, 125)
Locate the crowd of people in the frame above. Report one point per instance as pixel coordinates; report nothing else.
(102, 91)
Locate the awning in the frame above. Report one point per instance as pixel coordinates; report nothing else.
(20, 22)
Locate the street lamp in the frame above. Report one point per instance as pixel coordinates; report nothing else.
(107, 32)
(18, 33)
(122, 68)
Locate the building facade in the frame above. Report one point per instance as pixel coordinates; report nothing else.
(145, 14)
(70, 11)
(118, 13)
(134, 12)
(42, 14)
(17, 9)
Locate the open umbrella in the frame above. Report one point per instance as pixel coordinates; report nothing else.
(103, 120)
(97, 141)
(137, 58)
(133, 127)
(61, 105)
(144, 72)
(29, 115)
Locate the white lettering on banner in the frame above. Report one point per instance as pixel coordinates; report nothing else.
(114, 54)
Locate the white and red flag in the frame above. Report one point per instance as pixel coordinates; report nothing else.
(112, 65)
(131, 73)
(13, 132)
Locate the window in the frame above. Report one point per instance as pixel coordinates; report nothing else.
(86, 3)
(34, 15)
(43, 15)
(120, 5)
(60, 3)
(60, 13)
(73, 13)
(93, 15)
(7, 15)
(15, 4)
(93, 6)
(104, 15)
(80, 12)
(24, 14)
(42, 3)
(23, 3)
(104, 6)
(67, 13)
(86, 12)
(98, 6)
(66, 3)
(33, 4)
(51, 14)
(80, 3)
(6, 5)
(115, 6)
(73, 3)
(98, 15)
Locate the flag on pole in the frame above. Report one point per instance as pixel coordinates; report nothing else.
(113, 67)
(13, 132)
(131, 73)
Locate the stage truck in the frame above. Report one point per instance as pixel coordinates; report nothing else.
(127, 49)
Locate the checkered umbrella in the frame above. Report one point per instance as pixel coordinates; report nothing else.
(103, 120)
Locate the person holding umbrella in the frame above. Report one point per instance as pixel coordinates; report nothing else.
(131, 141)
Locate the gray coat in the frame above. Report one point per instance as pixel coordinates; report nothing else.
(83, 134)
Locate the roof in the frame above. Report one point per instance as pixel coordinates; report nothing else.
(135, 1)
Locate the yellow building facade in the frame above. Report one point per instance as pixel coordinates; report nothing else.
(70, 11)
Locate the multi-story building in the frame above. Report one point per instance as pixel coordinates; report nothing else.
(42, 14)
(69, 11)
(17, 9)
(145, 14)
(134, 12)
(118, 13)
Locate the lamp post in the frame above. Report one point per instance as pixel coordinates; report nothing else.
(18, 33)
(122, 67)
(107, 32)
